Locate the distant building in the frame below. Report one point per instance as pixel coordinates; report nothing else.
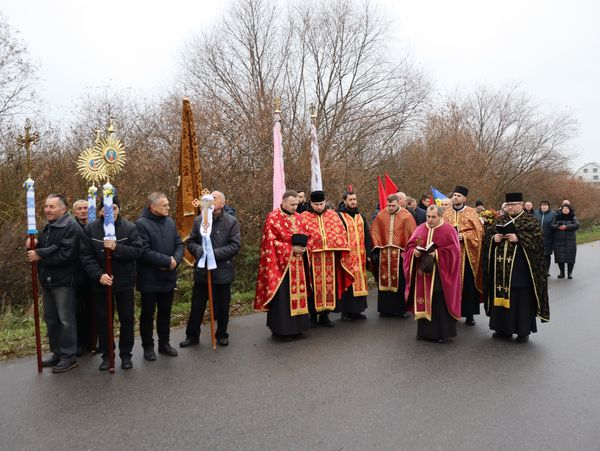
(589, 173)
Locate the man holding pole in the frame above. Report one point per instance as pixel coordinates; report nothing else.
(225, 242)
(126, 249)
(57, 256)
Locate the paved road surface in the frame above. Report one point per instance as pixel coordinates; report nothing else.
(358, 386)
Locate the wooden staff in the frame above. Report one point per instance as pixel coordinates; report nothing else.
(36, 308)
(109, 312)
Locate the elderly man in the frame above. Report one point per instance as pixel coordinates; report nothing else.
(86, 334)
(57, 257)
(417, 213)
(514, 273)
(470, 234)
(329, 260)
(432, 269)
(281, 286)
(157, 273)
(390, 231)
(126, 249)
(226, 241)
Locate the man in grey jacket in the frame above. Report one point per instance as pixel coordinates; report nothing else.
(226, 241)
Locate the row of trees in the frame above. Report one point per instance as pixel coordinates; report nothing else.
(375, 115)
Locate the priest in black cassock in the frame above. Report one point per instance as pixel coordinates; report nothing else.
(515, 278)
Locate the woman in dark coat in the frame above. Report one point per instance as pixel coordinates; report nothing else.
(564, 227)
(545, 215)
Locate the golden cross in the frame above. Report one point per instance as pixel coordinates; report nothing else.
(27, 141)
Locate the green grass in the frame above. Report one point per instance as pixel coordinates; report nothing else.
(588, 235)
(17, 329)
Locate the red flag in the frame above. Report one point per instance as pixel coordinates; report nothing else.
(390, 187)
(382, 195)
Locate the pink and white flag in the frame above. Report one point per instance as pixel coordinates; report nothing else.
(316, 182)
(278, 171)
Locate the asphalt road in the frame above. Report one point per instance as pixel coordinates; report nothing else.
(367, 385)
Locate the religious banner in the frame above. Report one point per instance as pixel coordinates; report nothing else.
(278, 170)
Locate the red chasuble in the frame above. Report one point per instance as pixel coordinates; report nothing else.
(419, 285)
(277, 259)
(355, 227)
(330, 261)
(390, 233)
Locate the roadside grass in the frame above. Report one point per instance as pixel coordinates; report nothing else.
(588, 235)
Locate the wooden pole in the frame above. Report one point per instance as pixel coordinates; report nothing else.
(211, 310)
(36, 308)
(109, 313)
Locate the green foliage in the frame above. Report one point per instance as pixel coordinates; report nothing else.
(588, 235)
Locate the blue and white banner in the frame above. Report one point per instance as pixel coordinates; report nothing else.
(208, 257)
(31, 226)
(109, 214)
(91, 214)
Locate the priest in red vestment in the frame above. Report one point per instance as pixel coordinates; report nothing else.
(330, 263)
(390, 231)
(432, 269)
(281, 288)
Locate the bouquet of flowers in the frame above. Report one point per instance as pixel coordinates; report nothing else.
(488, 216)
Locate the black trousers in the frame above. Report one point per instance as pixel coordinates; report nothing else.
(87, 336)
(221, 300)
(570, 267)
(162, 302)
(124, 303)
(548, 261)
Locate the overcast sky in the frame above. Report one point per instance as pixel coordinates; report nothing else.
(550, 47)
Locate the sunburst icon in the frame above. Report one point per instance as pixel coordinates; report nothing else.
(112, 153)
(91, 165)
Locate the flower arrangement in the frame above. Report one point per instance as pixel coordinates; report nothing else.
(488, 216)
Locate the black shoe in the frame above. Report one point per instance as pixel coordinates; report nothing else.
(167, 349)
(470, 321)
(346, 317)
(65, 365)
(105, 365)
(501, 336)
(126, 363)
(223, 341)
(149, 354)
(561, 275)
(360, 316)
(51, 361)
(387, 315)
(325, 321)
(522, 339)
(442, 340)
(570, 276)
(188, 342)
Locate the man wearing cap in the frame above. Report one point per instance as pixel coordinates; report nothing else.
(390, 231)
(281, 287)
(127, 248)
(330, 262)
(470, 231)
(354, 300)
(515, 282)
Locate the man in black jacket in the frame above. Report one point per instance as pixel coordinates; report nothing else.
(157, 273)
(226, 240)
(56, 254)
(126, 249)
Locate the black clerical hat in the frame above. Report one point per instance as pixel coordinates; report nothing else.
(513, 197)
(317, 196)
(461, 190)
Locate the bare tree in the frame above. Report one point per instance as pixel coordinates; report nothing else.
(17, 75)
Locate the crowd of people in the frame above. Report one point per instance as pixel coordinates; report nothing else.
(436, 263)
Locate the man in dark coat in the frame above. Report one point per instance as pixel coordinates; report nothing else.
(515, 281)
(545, 215)
(226, 241)
(564, 240)
(419, 214)
(157, 273)
(57, 256)
(126, 249)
